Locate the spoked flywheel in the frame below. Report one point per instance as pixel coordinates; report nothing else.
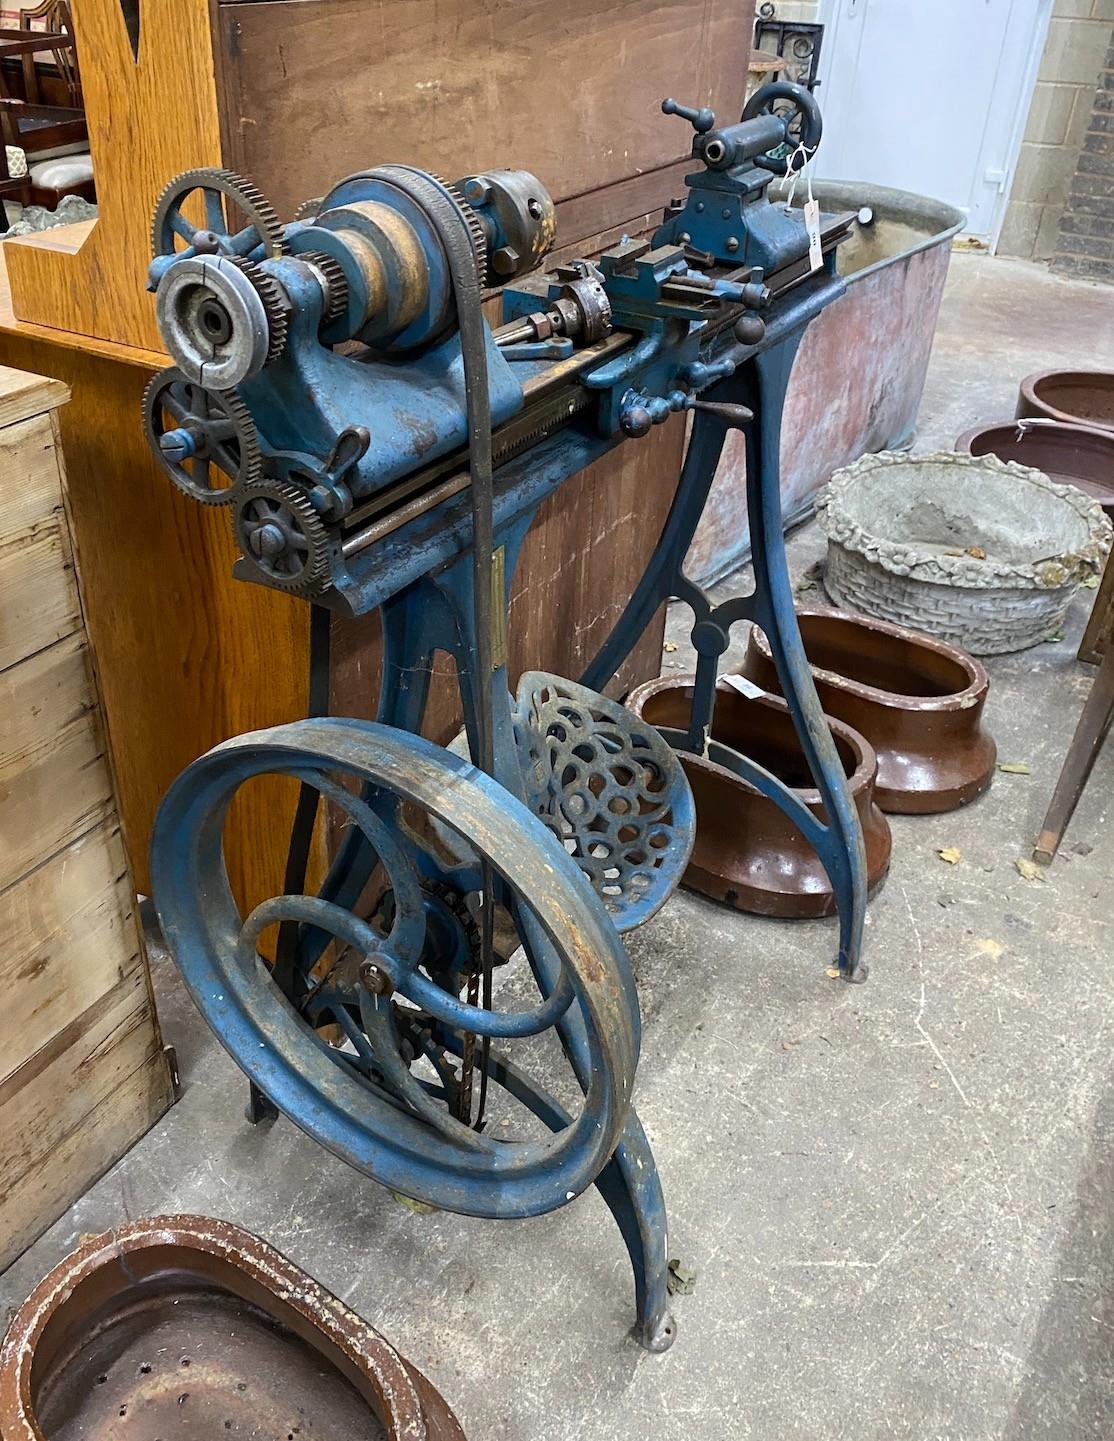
(364, 1045)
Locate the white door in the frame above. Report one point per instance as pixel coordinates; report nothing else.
(930, 96)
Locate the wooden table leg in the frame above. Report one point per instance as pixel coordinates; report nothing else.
(1086, 743)
(1096, 637)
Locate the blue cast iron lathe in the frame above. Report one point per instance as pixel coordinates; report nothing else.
(379, 445)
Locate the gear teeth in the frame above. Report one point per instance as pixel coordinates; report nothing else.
(249, 468)
(309, 209)
(292, 510)
(275, 304)
(255, 206)
(336, 283)
(475, 226)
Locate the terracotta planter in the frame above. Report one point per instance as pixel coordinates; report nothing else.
(917, 701)
(189, 1328)
(1080, 397)
(747, 852)
(1079, 455)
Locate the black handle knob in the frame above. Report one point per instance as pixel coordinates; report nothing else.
(701, 120)
(635, 421)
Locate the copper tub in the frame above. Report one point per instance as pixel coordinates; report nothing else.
(918, 701)
(748, 852)
(1080, 397)
(190, 1329)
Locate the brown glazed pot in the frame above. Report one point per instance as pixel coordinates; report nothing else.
(1080, 397)
(748, 852)
(1079, 455)
(917, 700)
(189, 1328)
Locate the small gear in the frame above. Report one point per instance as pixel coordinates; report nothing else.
(336, 283)
(208, 428)
(217, 186)
(308, 210)
(475, 226)
(275, 304)
(279, 532)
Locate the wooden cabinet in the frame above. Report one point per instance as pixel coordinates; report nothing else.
(297, 95)
(82, 1070)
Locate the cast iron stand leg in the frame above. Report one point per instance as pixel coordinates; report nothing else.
(841, 845)
(1090, 733)
(629, 1183)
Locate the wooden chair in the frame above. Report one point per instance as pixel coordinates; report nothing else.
(1097, 646)
(33, 122)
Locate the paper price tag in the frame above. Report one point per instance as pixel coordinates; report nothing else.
(743, 685)
(812, 225)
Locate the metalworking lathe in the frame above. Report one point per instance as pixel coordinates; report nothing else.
(378, 444)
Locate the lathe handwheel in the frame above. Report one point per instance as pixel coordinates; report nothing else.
(806, 128)
(359, 1053)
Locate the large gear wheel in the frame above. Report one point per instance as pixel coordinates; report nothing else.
(192, 430)
(282, 536)
(218, 234)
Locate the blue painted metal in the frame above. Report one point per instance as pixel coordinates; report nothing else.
(569, 815)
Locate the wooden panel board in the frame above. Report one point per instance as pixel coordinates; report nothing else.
(69, 937)
(54, 782)
(314, 90)
(23, 395)
(148, 119)
(38, 596)
(76, 1105)
(185, 656)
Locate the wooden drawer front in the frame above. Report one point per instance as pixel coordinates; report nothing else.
(74, 1107)
(54, 782)
(69, 938)
(38, 594)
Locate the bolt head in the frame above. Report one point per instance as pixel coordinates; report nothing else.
(375, 980)
(732, 243)
(476, 190)
(505, 260)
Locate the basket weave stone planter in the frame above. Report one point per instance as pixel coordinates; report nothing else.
(982, 553)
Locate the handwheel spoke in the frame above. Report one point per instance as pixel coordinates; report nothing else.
(379, 1027)
(214, 212)
(181, 226)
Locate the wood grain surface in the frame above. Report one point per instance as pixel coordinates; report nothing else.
(315, 90)
(148, 120)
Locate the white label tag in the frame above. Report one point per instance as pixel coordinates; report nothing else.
(743, 685)
(812, 225)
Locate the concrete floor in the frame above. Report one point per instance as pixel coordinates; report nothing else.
(898, 1198)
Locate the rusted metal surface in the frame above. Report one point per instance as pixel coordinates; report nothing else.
(1080, 397)
(1079, 455)
(918, 701)
(748, 852)
(860, 373)
(190, 1328)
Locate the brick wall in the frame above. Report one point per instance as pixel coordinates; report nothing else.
(1078, 36)
(1085, 238)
